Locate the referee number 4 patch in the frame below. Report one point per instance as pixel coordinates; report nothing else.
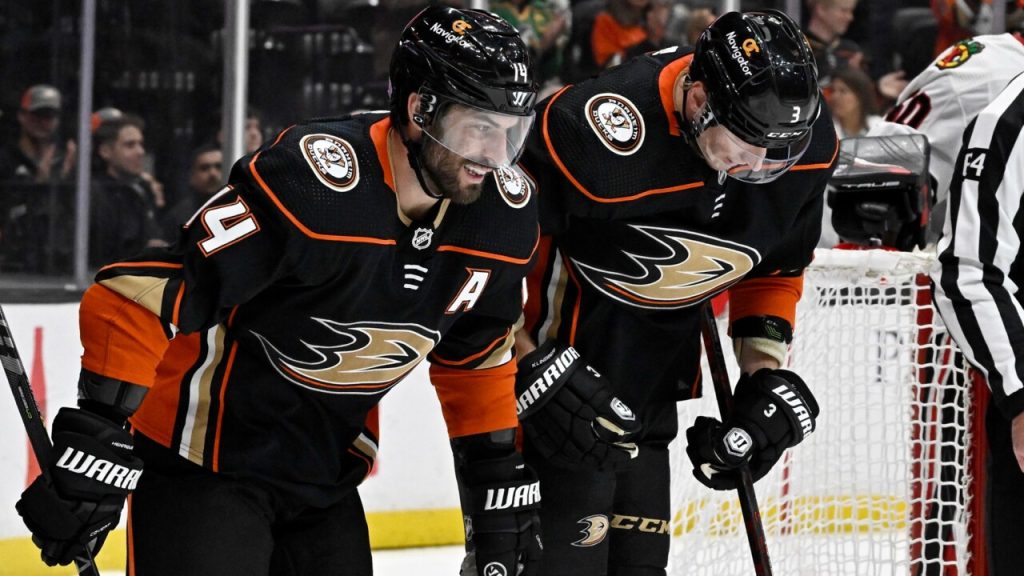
(974, 163)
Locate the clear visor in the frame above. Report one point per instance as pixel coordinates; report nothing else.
(484, 137)
(728, 153)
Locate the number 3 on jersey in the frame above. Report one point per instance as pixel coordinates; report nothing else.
(226, 225)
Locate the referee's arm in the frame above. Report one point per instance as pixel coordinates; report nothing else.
(975, 282)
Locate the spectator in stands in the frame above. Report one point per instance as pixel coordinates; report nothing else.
(851, 96)
(33, 236)
(36, 156)
(542, 25)
(656, 26)
(205, 178)
(109, 113)
(828, 21)
(696, 22)
(123, 209)
(252, 135)
(617, 28)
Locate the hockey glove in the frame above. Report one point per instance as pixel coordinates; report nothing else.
(93, 472)
(773, 410)
(568, 412)
(502, 521)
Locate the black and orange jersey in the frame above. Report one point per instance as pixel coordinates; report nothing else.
(299, 294)
(641, 230)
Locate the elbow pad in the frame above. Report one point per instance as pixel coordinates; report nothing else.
(113, 399)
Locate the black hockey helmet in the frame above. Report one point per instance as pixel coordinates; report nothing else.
(468, 57)
(760, 76)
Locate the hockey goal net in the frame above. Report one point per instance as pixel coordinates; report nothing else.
(885, 484)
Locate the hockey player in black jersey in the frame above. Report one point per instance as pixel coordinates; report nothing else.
(250, 356)
(663, 182)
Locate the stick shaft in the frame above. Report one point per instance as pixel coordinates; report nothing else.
(745, 491)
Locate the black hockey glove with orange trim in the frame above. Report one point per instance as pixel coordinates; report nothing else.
(773, 410)
(94, 471)
(568, 411)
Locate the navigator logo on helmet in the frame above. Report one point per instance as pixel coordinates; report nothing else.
(761, 84)
(458, 61)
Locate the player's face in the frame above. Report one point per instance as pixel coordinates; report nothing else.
(724, 151)
(485, 138)
(455, 177)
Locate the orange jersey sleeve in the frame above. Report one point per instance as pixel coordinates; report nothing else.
(476, 401)
(766, 296)
(122, 340)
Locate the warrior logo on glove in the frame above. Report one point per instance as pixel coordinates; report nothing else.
(773, 410)
(571, 416)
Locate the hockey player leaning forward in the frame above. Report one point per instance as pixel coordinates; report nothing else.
(662, 183)
(338, 257)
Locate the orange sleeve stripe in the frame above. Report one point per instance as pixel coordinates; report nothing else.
(121, 339)
(535, 283)
(476, 401)
(819, 166)
(220, 407)
(666, 84)
(468, 359)
(152, 264)
(176, 313)
(575, 307)
(769, 296)
(492, 255)
(576, 183)
(302, 227)
(379, 135)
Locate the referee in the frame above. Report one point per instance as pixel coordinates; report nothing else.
(976, 289)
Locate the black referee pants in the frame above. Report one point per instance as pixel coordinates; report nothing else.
(1005, 502)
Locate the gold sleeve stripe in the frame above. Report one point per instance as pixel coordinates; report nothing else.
(146, 291)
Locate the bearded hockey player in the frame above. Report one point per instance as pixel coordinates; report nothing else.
(664, 182)
(249, 358)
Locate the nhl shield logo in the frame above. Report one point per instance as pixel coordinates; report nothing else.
(513, 186)
(332, 159)
(617, 123)
(421, 238)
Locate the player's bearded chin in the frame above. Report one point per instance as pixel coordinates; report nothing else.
(442, 168)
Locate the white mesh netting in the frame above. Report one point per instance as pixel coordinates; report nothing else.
(883, 485)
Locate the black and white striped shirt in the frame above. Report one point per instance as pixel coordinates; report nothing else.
(977, 280)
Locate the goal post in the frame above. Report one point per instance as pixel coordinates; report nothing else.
(886, 485)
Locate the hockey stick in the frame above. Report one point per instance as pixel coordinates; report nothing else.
(33, 421)
(745, 491)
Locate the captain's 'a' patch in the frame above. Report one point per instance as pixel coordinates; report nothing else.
(332, 159)
(617, 123)
(514, 186)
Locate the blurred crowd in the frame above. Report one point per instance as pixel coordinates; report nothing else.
(866, 51)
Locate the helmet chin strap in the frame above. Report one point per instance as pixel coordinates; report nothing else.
(689, 133)
(414, 152)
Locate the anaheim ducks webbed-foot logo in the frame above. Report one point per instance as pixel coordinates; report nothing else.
(680, 270)
(366, 358)
(332, 159)
(617, 123)
(595, 529)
